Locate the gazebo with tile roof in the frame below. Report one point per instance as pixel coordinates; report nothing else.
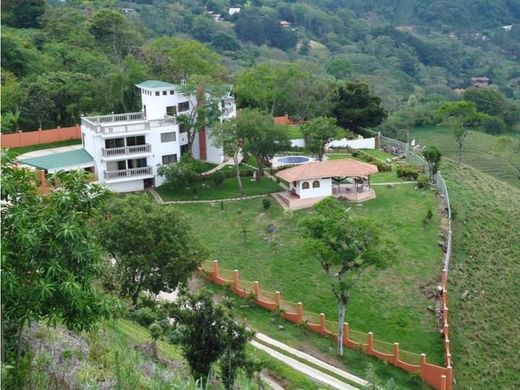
(314, 181)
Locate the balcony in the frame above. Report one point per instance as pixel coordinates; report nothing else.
(127, 150)
(128, 173)
(134, 122)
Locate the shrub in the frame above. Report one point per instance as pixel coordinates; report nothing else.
(218, 179)
(144, 316)
(266, 203)
(408, 172)
(422, 181)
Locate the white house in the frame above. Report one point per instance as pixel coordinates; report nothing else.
(233, 10)
(127, 149)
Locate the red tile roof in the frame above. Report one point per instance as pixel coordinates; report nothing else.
(284, 120)
(329, 168)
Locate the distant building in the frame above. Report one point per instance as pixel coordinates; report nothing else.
(128, 10)
(234, 10)
(508, 27)
(285, 24)
(459, 91)
(481, 81)
(216, 17)
(405, 28)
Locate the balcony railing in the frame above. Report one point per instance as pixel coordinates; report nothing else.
(126, 150)
(124, 123)
(120, 174)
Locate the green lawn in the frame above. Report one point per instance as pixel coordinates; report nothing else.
(496, 156)
(377, 153)
(484, 327)
(207, 191)
(26, 149)
(388, 302)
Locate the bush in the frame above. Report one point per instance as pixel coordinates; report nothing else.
(494, 125)
(408, 172)
(144, 316)
(218, 179)
(266, 203)
(422, 181)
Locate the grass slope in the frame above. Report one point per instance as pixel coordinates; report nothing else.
(389, 302)
(484, 328)
(496, 156)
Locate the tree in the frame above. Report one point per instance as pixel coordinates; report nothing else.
(228, 135)
(205, 101)
(345, 247)
(464, 117)
(432, 156)
(49, 257)
(172, 58)
(355, 107)
(261, 138)
(487, 100)
(224, 42)
(179, 175)
(318, 132)
(208, 333)
(23, 13)
(153, 247)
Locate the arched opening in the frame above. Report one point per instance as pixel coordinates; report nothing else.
(305, 185)
(316, 184)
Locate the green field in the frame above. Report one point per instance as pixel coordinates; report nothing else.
(390, 302)
(229, 189)
(496, 156)
(484, 327)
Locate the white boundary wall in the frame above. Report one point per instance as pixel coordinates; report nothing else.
(365, 143)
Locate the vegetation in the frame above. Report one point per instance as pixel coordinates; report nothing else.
(432, 155)
(498, 157)
(345, 248)
(206, 190)
(49, 234)
(390, 303)
(318, 132)
(482, 278)
(153, 248)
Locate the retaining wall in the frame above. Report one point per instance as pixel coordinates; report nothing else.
(27, 138)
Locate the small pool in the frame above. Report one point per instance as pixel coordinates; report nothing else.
(290, 160)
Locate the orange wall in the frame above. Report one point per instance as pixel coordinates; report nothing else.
(16, 140)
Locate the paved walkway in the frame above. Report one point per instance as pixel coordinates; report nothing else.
(46, 152)
(317, 375)
(160, 200)
(393, 183)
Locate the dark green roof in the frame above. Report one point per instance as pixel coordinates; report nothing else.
(57, 161)
(155, 84)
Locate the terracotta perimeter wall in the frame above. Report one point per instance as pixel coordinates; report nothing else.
(17, 140)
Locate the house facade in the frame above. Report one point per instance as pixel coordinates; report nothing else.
(127, 149)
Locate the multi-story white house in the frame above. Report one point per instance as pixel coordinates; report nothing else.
(127, 149)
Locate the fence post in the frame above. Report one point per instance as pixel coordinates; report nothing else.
(300, 311)
(446, 331)
(370, 342)
(215, 270)
(39, 135)
(445, 314)
(277, 299)
(257, 290)
(395, 353)
(443, 382)
(235, 279)
(345, 333)
(423, 365)
(446, 349)
(322, 323)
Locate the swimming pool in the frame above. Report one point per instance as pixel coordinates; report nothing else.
(290, 160)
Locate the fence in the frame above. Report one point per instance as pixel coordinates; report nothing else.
(17, 140)
(437, 376)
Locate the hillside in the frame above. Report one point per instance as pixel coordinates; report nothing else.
(484, 279)
(498, 157)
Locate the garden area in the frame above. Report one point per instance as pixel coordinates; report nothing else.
(395, 303)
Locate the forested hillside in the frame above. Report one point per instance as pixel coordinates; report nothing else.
(62, 59)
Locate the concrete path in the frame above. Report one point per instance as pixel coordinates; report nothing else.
(45, 152)
(268, 341)
(311, 372)
(228, 161)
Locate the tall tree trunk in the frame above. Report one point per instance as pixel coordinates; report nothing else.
(342, 308)
(260, 165)
(459, 153)
(237, 168)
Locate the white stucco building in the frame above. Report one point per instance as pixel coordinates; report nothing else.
(127, 149)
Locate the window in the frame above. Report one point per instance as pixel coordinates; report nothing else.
(168, 137)
(133, 141)
(114, 143)
(182, 128)
(316, 184)
(157, 93)
(137, 163)
(144, 110)
(169, 158)
(172, 110)
(164, 92)
(305, 185)
(172, 91)
(184, 106)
